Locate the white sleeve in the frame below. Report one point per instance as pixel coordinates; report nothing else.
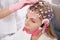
(20, 35)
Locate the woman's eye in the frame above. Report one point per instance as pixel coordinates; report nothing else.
(33, 21)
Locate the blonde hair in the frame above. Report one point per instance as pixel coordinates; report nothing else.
(50, 32)
(37, 8)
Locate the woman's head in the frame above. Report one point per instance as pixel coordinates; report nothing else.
(36, 14)
(32, 21)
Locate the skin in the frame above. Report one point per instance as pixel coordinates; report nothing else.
(32, 21)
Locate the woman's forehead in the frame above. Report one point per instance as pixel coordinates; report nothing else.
(32, 15)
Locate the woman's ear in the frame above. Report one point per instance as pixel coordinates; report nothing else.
(46, 24)
(45, 21)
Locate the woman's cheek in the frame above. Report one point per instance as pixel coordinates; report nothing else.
(35, 27)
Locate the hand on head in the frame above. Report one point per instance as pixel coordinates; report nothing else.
(30, 1)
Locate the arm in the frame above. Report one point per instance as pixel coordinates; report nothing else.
(4, 12)
(57, 13)
(14, 7)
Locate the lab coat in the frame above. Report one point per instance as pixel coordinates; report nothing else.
(19, 35)
(9, 23)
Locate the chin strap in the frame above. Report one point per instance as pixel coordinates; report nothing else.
(35, 32)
